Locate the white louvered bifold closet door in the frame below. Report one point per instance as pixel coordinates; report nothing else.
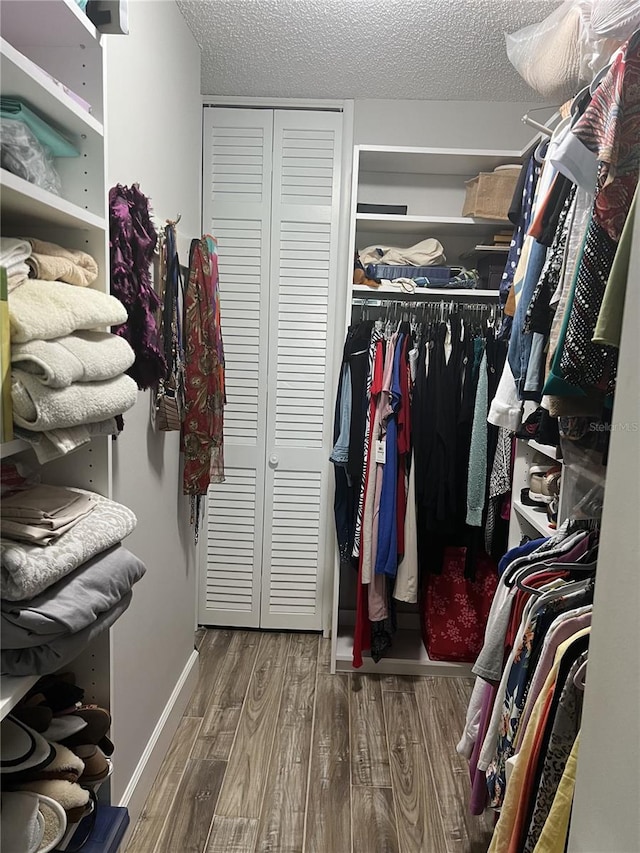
(237, 211)
(304, 276)
(271, 197)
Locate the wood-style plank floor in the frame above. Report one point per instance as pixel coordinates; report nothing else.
(276, 755)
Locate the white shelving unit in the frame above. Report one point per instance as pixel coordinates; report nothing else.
(430, 181)
(55, 36)
(408, 656)
(11, 448)
(535, 518)
(423, 294)
(444, 226)
(12, 689)
(526, 520)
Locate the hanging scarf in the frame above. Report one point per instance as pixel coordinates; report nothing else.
(132, 241)
(202, 428)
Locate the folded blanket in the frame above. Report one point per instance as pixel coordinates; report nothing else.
(27, 570)
(426, 253)
(40, 408)
(46, 505)
(13, 254)
(73, 603)
(50, 657)
(21, 531)
(80, 357)
(51, 309)
(43, 514)
(51, 262)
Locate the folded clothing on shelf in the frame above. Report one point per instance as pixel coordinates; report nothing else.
(40, 408)
(50, 657)
(55, 443)
(73, 603)
(79, 357)
(27, 570)
(393, 271)
(42, 310)
(13, 256)
(22, 154)
(50, 262)
(428, 252)
(57, 144)
(43, 514)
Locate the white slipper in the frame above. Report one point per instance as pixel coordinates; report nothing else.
(69, 795)
(22, 748)
(31, 823)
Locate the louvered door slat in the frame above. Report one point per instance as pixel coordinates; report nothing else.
(306, 168)
(237, 209)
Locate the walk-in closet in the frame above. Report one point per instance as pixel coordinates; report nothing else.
(319, 426)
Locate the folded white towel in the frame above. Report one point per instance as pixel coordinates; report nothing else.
(55, 443)
(80, 357)
(39, 408)
(13, 254)
(51, 309)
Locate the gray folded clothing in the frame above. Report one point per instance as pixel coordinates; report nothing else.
(73, 603)
(50, 657)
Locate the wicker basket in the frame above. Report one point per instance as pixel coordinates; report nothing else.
(489, 194)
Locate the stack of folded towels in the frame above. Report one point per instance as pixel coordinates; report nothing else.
(68, 381)
(65, 576)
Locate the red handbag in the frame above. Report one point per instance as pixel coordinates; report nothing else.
(455, 608)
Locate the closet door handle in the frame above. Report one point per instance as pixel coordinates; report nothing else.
(273, 461)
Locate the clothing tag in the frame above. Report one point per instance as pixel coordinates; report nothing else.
(381, 452)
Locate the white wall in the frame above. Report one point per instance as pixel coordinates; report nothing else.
(447, 124)
(154, 139)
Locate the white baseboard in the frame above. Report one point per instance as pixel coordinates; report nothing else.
(146, 771)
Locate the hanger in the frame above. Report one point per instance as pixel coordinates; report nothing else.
(536, 125)
(579, 679)
(600, 75)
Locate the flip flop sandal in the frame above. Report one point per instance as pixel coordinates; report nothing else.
(69, 795)
(31, 823)
(65, 765)
(22, 748)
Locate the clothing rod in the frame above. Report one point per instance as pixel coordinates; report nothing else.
(536, 125)
(468, 301)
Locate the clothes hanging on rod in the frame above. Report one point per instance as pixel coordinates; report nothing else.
(404, 423)
(527, 699)
(564, 292)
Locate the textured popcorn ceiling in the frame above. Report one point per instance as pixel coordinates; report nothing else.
(416, 49)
